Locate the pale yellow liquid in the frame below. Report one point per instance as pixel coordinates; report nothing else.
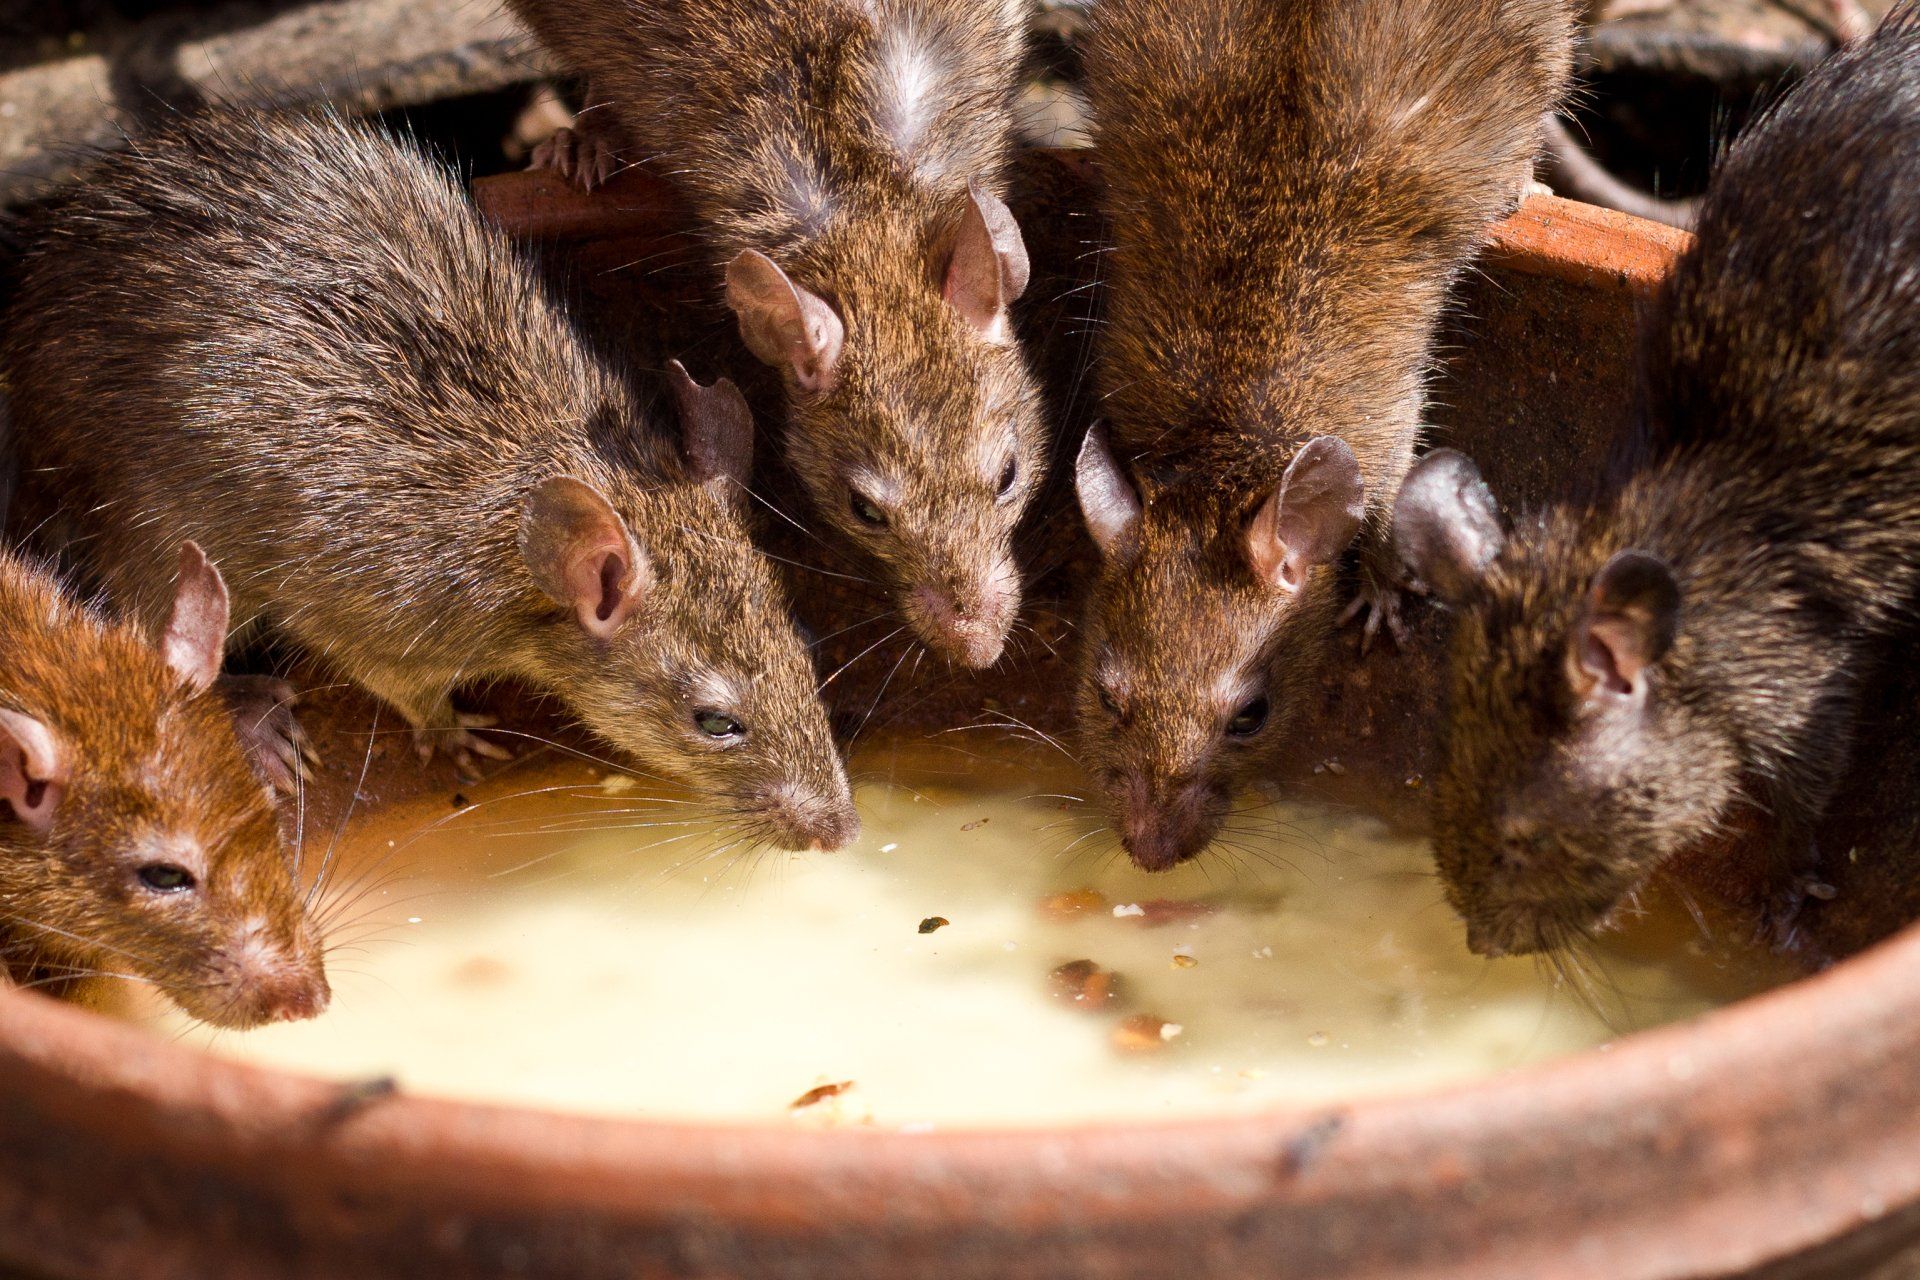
(555, 949)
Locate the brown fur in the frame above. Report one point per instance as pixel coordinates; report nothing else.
(294, 341)
(156, 775)
(776, 118)
(1293, 185)
(1778, 484)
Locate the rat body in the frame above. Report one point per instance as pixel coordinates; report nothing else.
(293, 340)
(1292, 188)
(135, 839)
(845, 164)
(1634, 664)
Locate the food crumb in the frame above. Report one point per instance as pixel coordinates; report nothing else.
(1318, 1039)
(615, 784)
(1073, 902)
(1182, 960)
(890, 846)
(1130, 909)
(460, 800)
(975, 825)
(1144, 1033)
(818, 1094)
(931, 923)
(1086, 984)
(1264, 953)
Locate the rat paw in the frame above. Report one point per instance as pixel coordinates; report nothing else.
(458, 740)
(1378, 608)
(1782, 928)
(584, 156)
(262, 708)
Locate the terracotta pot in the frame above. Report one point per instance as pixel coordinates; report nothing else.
(1777, 1138)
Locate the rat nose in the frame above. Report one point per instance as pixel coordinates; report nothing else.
(809, 822)
(292, 996)
(973, 633)
(1163, 822)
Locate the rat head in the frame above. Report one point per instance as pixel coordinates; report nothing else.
(914, 423)
(1572, 761)
(673, 641)
(135, 836)
(1200, 639)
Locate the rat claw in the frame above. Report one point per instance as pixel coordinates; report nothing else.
(271, 734)
(1380, 607)
(584, 156)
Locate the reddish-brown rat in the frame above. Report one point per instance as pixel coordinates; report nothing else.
(135, 839)
(1291, 189)
(292, 339)
(1634, 666)
(845, 162)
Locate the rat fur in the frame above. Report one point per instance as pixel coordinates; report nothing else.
(1634, 665)
(291, 338)
(846, 164)
(1292, 186)
(135, 840)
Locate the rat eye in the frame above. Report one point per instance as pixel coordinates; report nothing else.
(1007, 478)
(1249, 719)
(718, 724)
(166, 877)
(866, 511)
(1107, 700)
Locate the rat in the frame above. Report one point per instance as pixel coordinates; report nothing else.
(1291, 189)
(135, 839)
(292, 338)
(845, 163)
(1687, 636)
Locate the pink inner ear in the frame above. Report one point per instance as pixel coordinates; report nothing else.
(196, 636)
(600, 579)
(1607, 654)
(33, 773)
(782, 323)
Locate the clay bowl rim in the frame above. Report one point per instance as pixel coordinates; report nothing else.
(1733, 1096)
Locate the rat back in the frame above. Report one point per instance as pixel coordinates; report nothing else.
(780, 119)
(1292, 185)
(292, 339)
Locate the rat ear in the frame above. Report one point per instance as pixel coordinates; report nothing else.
(1632, 616)
(782, 323)
(1310, 518)
(1446, 525)
(581, 554)
(1107, 499)
(196, 634)
(716, 427)
(988, 268)
(33, 769)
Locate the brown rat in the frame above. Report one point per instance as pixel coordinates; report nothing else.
(292, 339)
(1291, 189)
(845, 162)
(135, 839)
(1634, 666)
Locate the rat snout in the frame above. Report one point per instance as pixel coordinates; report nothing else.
(967, 623)
(1163, 821)
(261, 981)
(806, 821)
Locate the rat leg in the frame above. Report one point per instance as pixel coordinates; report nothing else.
(587, 152)
(262, 708)
(436, 725)
(1380, 601)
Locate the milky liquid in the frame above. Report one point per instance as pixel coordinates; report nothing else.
(593, 947)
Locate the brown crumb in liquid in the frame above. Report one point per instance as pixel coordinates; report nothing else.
(1144, 1033)
(818, 1094)
(1074, 902)
(1183, 961)
(975, 825)
(1086, 984)
(932, 923)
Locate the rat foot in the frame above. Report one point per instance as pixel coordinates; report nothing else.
(1380, 606)
(1780, 920)
(262, 708)
(585, 154)
(1842, 21)
(459, 741)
